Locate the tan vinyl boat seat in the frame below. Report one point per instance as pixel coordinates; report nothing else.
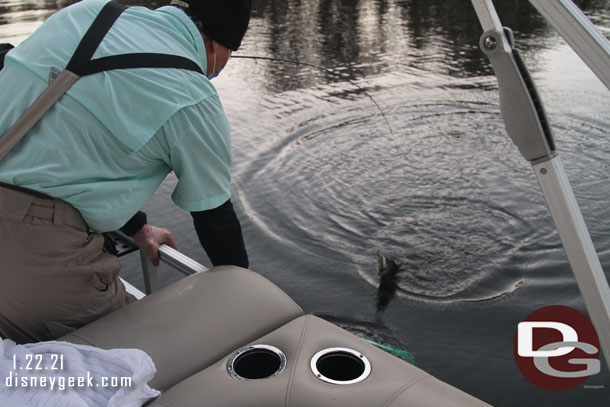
(192, 323)
(392, 382)
(194, 328)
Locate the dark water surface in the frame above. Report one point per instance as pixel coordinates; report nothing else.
(323, 182)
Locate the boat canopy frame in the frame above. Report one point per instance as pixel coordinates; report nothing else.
(528, 127)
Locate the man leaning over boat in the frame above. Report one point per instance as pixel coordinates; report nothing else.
(99, 153)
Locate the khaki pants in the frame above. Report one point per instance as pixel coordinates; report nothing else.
(54, 275)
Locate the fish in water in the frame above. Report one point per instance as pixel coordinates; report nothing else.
(387, 268)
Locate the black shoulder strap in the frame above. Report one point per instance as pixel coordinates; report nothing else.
(96, 33)
(137, 60)
(81, 63)
(4, 48)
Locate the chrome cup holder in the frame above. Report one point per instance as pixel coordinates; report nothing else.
(340, 366)
(256, 362)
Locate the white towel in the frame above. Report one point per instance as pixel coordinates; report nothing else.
(49, 374)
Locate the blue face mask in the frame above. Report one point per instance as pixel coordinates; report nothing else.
(215, 74)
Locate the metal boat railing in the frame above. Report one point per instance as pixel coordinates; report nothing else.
(173, 258)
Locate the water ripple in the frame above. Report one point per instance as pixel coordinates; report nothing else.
(418, 195)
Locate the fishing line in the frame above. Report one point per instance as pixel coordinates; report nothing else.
(325, 70)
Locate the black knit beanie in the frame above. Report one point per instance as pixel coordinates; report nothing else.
(224, 21)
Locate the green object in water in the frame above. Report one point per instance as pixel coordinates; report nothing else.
(392, 350)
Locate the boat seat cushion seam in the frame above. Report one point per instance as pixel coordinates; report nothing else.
(405, 388)
(296, 358)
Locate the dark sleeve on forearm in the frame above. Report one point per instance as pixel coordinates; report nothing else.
(134, 224)
(220, 235)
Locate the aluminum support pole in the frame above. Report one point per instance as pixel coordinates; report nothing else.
(527, 126)
(580, 33)
(578, 245)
